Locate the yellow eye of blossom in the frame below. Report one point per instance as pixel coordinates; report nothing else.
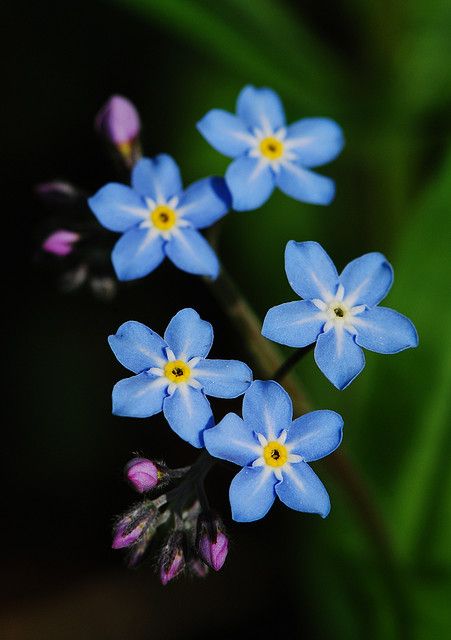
(163, 217)
(275, 454)
(271, 148)
(177, 371)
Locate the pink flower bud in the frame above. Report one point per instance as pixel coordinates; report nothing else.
(198, 568)
(211, 541)
(59, 191)
(169, 570)
(118, 120)
(215, 552)
(124, 536)
(60, 242)
(142, 474)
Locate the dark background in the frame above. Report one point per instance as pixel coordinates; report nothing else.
(381, 69)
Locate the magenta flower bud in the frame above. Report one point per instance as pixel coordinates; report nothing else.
(118, 120)
(169, 570)
(58, 191)
(124, 536)
(214, 553)
(198, 568)
(142, 474)
(60, 242)
(211, 541)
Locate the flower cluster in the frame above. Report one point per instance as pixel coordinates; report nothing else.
(338, 315)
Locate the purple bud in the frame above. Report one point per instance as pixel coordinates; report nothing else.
(60, 242)
(198, 568)
(118, 120)
(169, 570)
(212, 543)
(124, 536)
(142, 474)
(59, 191)
(214, 553)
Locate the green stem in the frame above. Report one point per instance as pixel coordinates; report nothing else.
(291, 362)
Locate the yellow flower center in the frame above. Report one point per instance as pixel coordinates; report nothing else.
(338, 311)
(275, 454)
(163, 217)
(271, 148)
(177, 371)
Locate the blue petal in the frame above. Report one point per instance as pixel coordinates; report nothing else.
(315, 140)
(302, 490)
(310, 271)
(157, 178)
(304, 185)
(137, 253)
(189, 251)
(189, 413)
(205, 202)
(223, 378)
(367, 280)
(267, 408)
(260, 108)
(225, 132)
(137, 347)
(339, 357)
(118, 207)
(295, 324)
(252, 494)
(385, 331)
(250, 182)
(140, 396)
(188, 335)
(233, 440)
(315, 435)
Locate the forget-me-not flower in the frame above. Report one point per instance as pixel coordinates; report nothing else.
(158, 218)
(274, 451)
(173, 374)
(339, 312)
(268, 153)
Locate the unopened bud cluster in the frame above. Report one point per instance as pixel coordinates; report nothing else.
(189, 539)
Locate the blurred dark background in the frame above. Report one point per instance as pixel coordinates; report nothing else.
(382, 70)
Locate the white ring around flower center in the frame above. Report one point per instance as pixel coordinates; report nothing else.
(275, 454)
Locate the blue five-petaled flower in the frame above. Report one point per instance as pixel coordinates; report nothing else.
(339, 312)
(158, 218)
(274, 451)
(173, 374)
(267, 153)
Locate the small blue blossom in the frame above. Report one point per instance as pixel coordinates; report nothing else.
(158, 218)
(274, 451)
(338, 312)
(173, 374)
(268, 153)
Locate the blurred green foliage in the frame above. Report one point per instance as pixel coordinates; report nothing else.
(382, 69)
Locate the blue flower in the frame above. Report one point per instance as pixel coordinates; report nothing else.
(339, 312)
(268, 154)
(158, 218)
(173, 374)
(274, 451)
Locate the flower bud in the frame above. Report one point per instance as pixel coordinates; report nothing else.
(59, 192)
(198, 568)
(60, 242)
(173, 558)
(212, 543)
(118, 120)
(126, 534)
(142, 474)
(103, 287)
(133, 524)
